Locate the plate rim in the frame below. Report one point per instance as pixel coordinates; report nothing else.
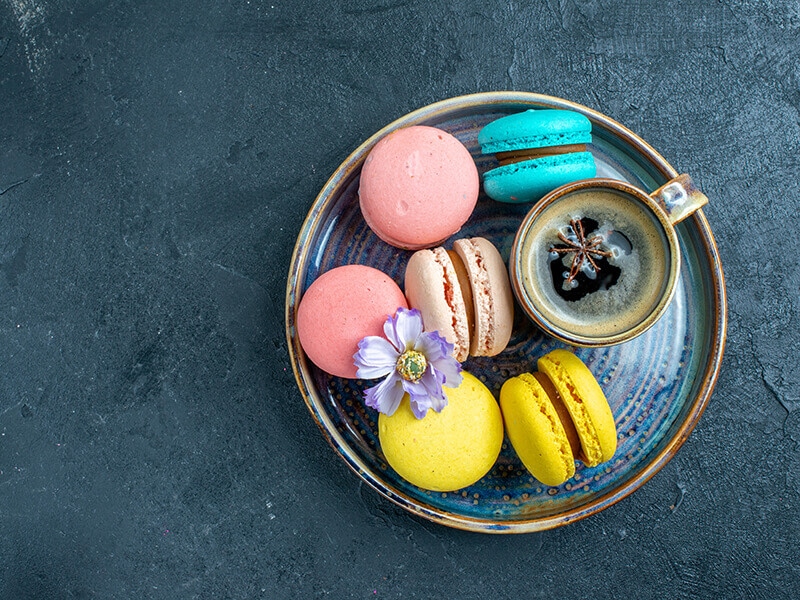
(710, 373)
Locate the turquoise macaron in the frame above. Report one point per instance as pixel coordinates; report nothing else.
(538, 151)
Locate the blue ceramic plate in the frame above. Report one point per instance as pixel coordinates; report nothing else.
(657, 384)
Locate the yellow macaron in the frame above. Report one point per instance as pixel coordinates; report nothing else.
(586, 403)
(448, 450)
(556, 416)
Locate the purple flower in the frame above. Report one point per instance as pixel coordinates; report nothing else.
(416, 362)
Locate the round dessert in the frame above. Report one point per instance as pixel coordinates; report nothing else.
(340, 308)
(463, 294)
(557, 415)
(538, 151)
(448, 450)
(586, 403)
(418, 186)
(542, 437)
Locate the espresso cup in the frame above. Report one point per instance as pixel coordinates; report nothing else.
(596, 262)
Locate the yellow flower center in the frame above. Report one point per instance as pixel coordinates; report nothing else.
(411, 365)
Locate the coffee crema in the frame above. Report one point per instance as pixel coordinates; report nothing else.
(632, 273)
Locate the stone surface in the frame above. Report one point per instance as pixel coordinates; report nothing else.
(156, 163)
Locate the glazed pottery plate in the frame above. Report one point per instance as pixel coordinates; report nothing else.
(657, 384)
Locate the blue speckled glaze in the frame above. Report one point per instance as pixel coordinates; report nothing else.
(657, 384)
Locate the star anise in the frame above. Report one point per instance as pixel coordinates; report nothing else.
(585, 250)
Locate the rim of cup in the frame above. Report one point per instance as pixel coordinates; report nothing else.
(529, 304)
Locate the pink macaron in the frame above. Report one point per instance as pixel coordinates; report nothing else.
(340, 308)
(464, 294)
(418, 186)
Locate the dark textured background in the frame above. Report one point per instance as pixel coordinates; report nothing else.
(157, 159)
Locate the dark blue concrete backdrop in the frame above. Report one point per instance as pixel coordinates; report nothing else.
(156, 162)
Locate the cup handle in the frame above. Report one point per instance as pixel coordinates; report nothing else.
(679, 197)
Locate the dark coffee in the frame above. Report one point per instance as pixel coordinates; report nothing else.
(577, 272)
(596, 262)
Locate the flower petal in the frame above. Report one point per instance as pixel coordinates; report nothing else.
(438, 351)
(404, 329)
(386, 396)
(375, 358)
(433, 345)
(450, 370)
(418, 396)
(433, 386)
(420, 406)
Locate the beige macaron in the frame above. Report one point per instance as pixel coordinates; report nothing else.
(464, 294)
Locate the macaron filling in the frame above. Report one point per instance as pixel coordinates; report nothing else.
(563, 414)
(593, 453)
(515, 156)
(547, 408)
(483, 304)
(454, 298)
(561, 161)
(466, 289)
